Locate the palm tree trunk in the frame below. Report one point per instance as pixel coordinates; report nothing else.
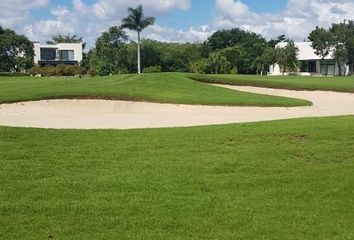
(339, 68)
(139, 66)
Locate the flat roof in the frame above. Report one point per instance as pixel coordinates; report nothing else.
(306, 51)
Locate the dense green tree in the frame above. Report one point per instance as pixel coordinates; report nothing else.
(343, 43)
(349, 44)
(16, 51)
(273, 42)
(138, 22)
(180, 56)
(218, 64)
(291, 53)
(151, 53)
(264, 61)
(109, 55)
(171, 57)
(245, 46)
(229, 38)
(339, 38)
(199, 66)
(322, 42)
(238, 58)
(286, 57)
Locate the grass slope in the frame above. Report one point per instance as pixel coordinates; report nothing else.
(275, 180)
(340, 84)
(164, 87)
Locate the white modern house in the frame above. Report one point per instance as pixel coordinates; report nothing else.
(54, 54)
(310, 63)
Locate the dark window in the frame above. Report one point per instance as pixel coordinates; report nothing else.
(312, 67)
(66, 55)
(48, 54)
(328, 66)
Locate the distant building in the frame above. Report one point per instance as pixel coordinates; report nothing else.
(310, 63)
(61, 53)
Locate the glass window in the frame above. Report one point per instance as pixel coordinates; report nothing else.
(71, 55)
(48, 54)
(330, 68)
(66, 55)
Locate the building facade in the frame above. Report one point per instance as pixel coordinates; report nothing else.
(62, 53)
(310, 63)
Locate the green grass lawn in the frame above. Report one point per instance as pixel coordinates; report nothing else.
(164, 87)
(274, 180)
(341, 84)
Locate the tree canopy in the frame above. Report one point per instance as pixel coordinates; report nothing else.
(16, 51)
(241, 48)
(339, 38)
(110, 53)
(66, 38)
(286, 57)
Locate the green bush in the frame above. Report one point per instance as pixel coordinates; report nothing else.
(92, 72)
(104, 70)
(50, 71)
(35, 70)
(152, 69)
(60, 70)
(9, 74)
(199, 66)
(234, 71)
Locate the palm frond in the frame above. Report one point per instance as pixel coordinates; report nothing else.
(136, 19)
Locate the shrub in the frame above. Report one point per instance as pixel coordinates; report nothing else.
(9, 74)
(81, 71)
(234, 71)
(60, 70)
(92, 72)
(152, 69)
(49, 71)
(199, 66)
(33, 71)
(104, 70)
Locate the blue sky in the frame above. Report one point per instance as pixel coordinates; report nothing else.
(200, 13)
(177, 20)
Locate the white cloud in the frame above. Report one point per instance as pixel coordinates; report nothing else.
(111, 9)
(89, 20)
(296, 21)
(165, 34)
(59, 11)
(235, 11)
(16, 12)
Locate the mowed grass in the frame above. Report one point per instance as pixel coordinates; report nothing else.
(162, 88)
(274, 180)
(340, 84)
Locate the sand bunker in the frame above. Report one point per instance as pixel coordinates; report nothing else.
(103, 114)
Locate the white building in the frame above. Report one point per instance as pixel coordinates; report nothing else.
(310, 63)
(62, 53)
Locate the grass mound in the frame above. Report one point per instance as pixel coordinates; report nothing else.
(161, 87)
(340, 84)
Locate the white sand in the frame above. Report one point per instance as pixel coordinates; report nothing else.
(103, 114)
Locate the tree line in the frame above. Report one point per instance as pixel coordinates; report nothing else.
(224, 52)
(339, 39)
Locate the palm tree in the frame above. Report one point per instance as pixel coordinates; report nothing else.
(138, 22)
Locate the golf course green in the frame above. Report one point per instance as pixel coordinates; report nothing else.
(289, 179)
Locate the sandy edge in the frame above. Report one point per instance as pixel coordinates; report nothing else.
(111, 114)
